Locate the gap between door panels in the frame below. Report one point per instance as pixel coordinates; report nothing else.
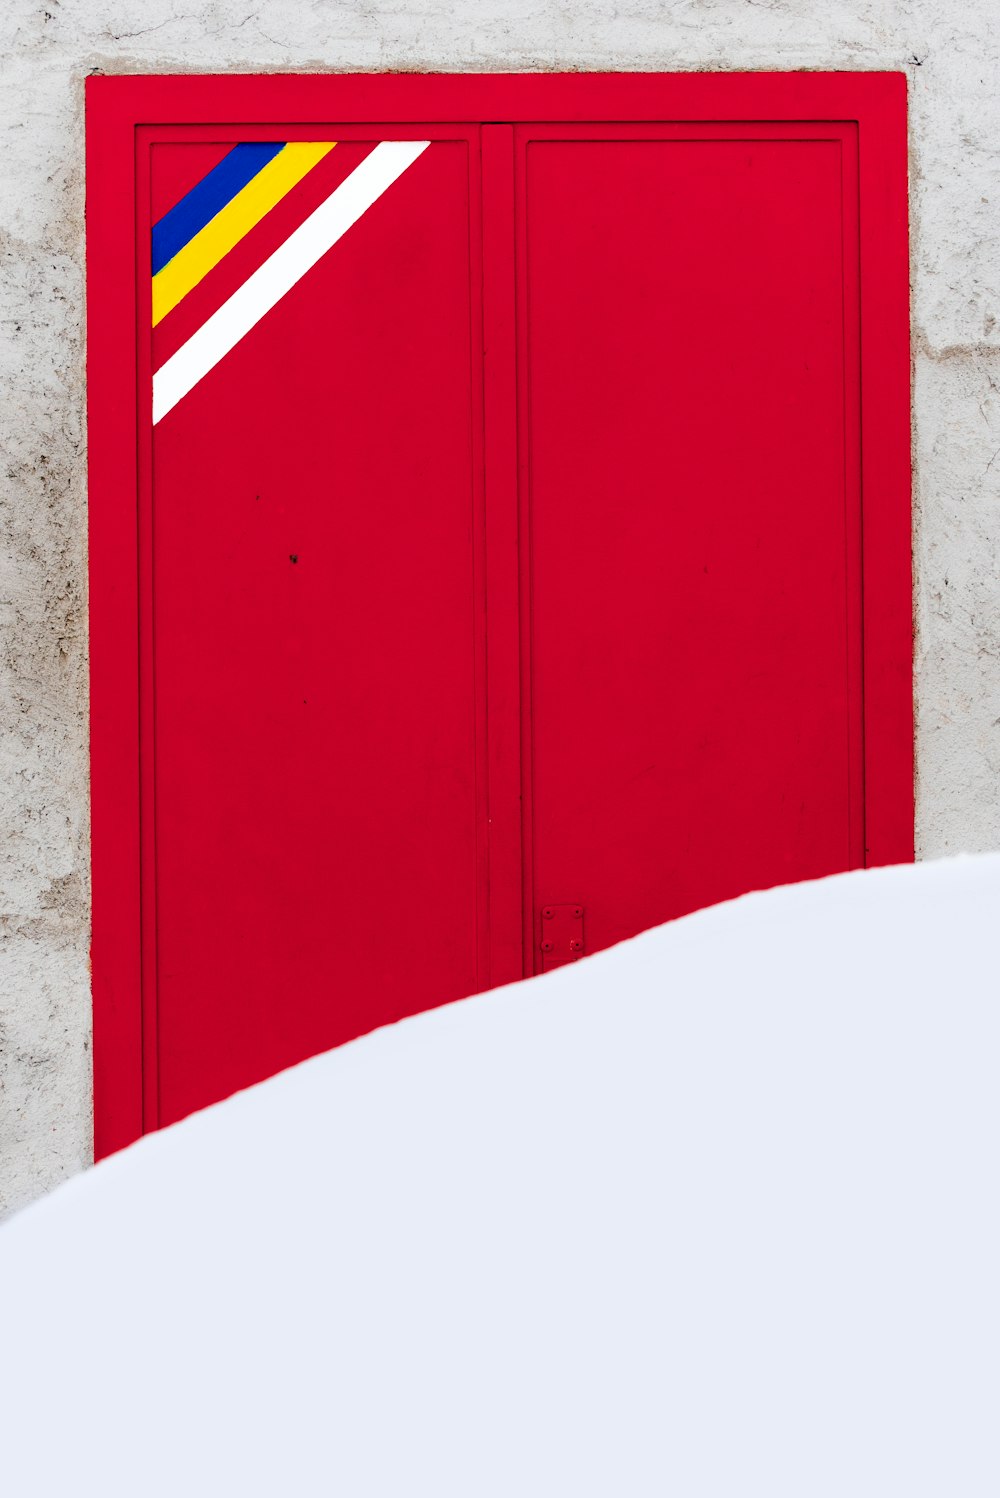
(507, 878)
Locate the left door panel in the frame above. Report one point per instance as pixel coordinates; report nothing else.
(311, 628)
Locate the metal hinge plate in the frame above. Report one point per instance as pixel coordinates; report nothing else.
(561, 938)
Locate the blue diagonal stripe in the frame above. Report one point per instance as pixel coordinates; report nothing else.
(188, 217)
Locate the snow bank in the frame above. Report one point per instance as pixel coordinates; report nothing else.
(715, 1212)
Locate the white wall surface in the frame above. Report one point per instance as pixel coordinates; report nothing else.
(951, 54)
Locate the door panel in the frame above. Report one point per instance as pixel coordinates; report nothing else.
(692, 513)
(313, 558)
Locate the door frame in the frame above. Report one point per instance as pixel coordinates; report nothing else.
(117, 108)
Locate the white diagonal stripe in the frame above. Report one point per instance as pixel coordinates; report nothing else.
(279, 273)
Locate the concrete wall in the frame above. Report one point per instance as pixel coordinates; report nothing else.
(951, 54)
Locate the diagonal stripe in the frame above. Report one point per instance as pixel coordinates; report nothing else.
(231, 223)
(254, 248)
(279, 273)
(172, 232)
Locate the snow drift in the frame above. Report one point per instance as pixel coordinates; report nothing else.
(714, 1212)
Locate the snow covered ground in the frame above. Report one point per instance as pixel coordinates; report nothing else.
(715, 1212)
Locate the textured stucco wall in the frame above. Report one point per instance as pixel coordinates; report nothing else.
(952, 56)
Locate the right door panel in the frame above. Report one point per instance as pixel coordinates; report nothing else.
(690, 492)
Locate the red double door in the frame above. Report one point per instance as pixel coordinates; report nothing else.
(500, 583)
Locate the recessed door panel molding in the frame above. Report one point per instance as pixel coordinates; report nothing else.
(690, 340)
(499, 494)
(315, 508)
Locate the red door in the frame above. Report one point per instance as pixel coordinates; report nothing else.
(689, 328)
(500, 543)
(314, 654)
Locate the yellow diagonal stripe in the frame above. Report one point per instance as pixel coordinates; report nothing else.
(173, 282)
